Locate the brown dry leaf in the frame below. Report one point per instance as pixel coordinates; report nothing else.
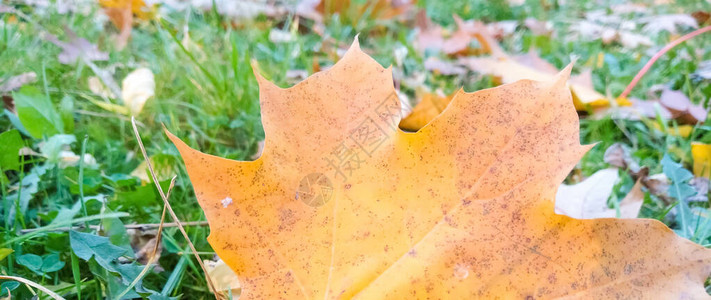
(143, 242)
(428, 108)
(432, 36)
(701, 16)
(121, 13)
(682, 108)
(342, 204)
(588, 199)
(429, 34)
(481, 33)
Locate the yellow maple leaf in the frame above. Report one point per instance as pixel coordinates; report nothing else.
(342, 204)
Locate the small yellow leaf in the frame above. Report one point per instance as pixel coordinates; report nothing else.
(683, 131)
(4, 252)
(702, 159)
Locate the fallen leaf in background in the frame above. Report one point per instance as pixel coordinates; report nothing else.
(14, 83)
(137, 7)
(432, 37)
(619, 156)
(481, 33)
(223, 278)
(588, 199)
(429, 34)
(701, 16)
(143, 242)
(632, 40)
(443, 67)
(353, 10)
(68, 158)
(658, 185)
(429, 107)
(682, 108)
(683, 131)
(76, 48)
(502, 29)
(701, 185)
(669, 23)
(508, 70)
(458, 44)
(307, 9)
(539, 27)
(535, 62)
(592, 31)
(701, 153)
(463, 208)
(640, 109)
(136, 88)
(120, 12)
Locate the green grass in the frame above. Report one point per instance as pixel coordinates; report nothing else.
(207, 95)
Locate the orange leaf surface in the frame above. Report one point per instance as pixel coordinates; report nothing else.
(343, 204)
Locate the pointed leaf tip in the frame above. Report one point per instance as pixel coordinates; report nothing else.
(565, 73)
(261, 81)
(356, 43)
